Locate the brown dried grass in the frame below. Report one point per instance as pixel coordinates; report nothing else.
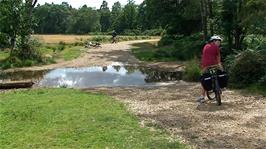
(62, 38)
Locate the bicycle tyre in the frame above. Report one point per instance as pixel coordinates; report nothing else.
(218, 98)
(210, 95)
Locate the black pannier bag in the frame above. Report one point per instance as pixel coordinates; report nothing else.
(206, 81)
(222, 79)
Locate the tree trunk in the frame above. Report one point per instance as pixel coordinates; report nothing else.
(239, 31)
(211, 16)
(204, 19)
(16, 84)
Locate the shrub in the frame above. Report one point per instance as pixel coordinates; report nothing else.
(153, 32)
(132, 32)
(29, 50)
(28, 63)
(61, 46)
(167, 40)
(255, 42)
(192, 71)
(248, 68)
(262, 80)
(4, 40)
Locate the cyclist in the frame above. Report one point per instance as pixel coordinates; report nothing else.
(114, 34)
(210, 57)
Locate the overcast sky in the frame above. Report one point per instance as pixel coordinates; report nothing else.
(90, 3)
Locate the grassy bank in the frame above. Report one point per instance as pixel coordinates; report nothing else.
(51, 53)
(66, 118)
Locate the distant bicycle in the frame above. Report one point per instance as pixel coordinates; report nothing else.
(213, 80)
(94, 45)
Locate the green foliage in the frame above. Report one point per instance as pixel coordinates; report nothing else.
(4, 40)
(153, 32)
(105, 17)
(54, 19)
(186, 47)
(149, 52)
(192, 71)
(13, 61)
(27, 50)
(240, 18)
(255, 42)
(66, 118)
(167, 40)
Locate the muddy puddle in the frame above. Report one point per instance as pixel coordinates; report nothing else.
(86, 77)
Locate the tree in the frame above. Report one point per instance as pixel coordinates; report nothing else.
(129, 16)
(115, 16)
(11, 19)
(53, 18)
(105, 19)
(84, 20)
(241, 16)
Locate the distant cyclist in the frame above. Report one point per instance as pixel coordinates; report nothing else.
(114, 34)
(210, 56)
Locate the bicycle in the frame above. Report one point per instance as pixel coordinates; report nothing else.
(94, 45)
(215, 80)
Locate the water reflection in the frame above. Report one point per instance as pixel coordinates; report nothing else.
(95, 76)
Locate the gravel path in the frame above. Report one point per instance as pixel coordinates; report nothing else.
(239, 123)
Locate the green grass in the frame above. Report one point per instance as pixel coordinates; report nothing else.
(255, 89)
(71, 53)
(67, 118)
(3, 55)
(150, 52)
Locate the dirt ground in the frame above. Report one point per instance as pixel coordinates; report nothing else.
(239, 123)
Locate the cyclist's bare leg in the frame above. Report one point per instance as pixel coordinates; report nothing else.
(203, 92)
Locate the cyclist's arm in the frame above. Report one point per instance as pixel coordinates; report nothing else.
(219, 58)
(219, 61)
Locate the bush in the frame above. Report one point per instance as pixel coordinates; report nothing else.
(167, 40)
(132, 32)
(153, 32)
(255, 42)
(61, 46)
(192, 71)
(28, 63)
(29, 50)
(248, 68)
(262, 80)
(4, 40)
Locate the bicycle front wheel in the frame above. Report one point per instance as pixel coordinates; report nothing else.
(218, 98)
